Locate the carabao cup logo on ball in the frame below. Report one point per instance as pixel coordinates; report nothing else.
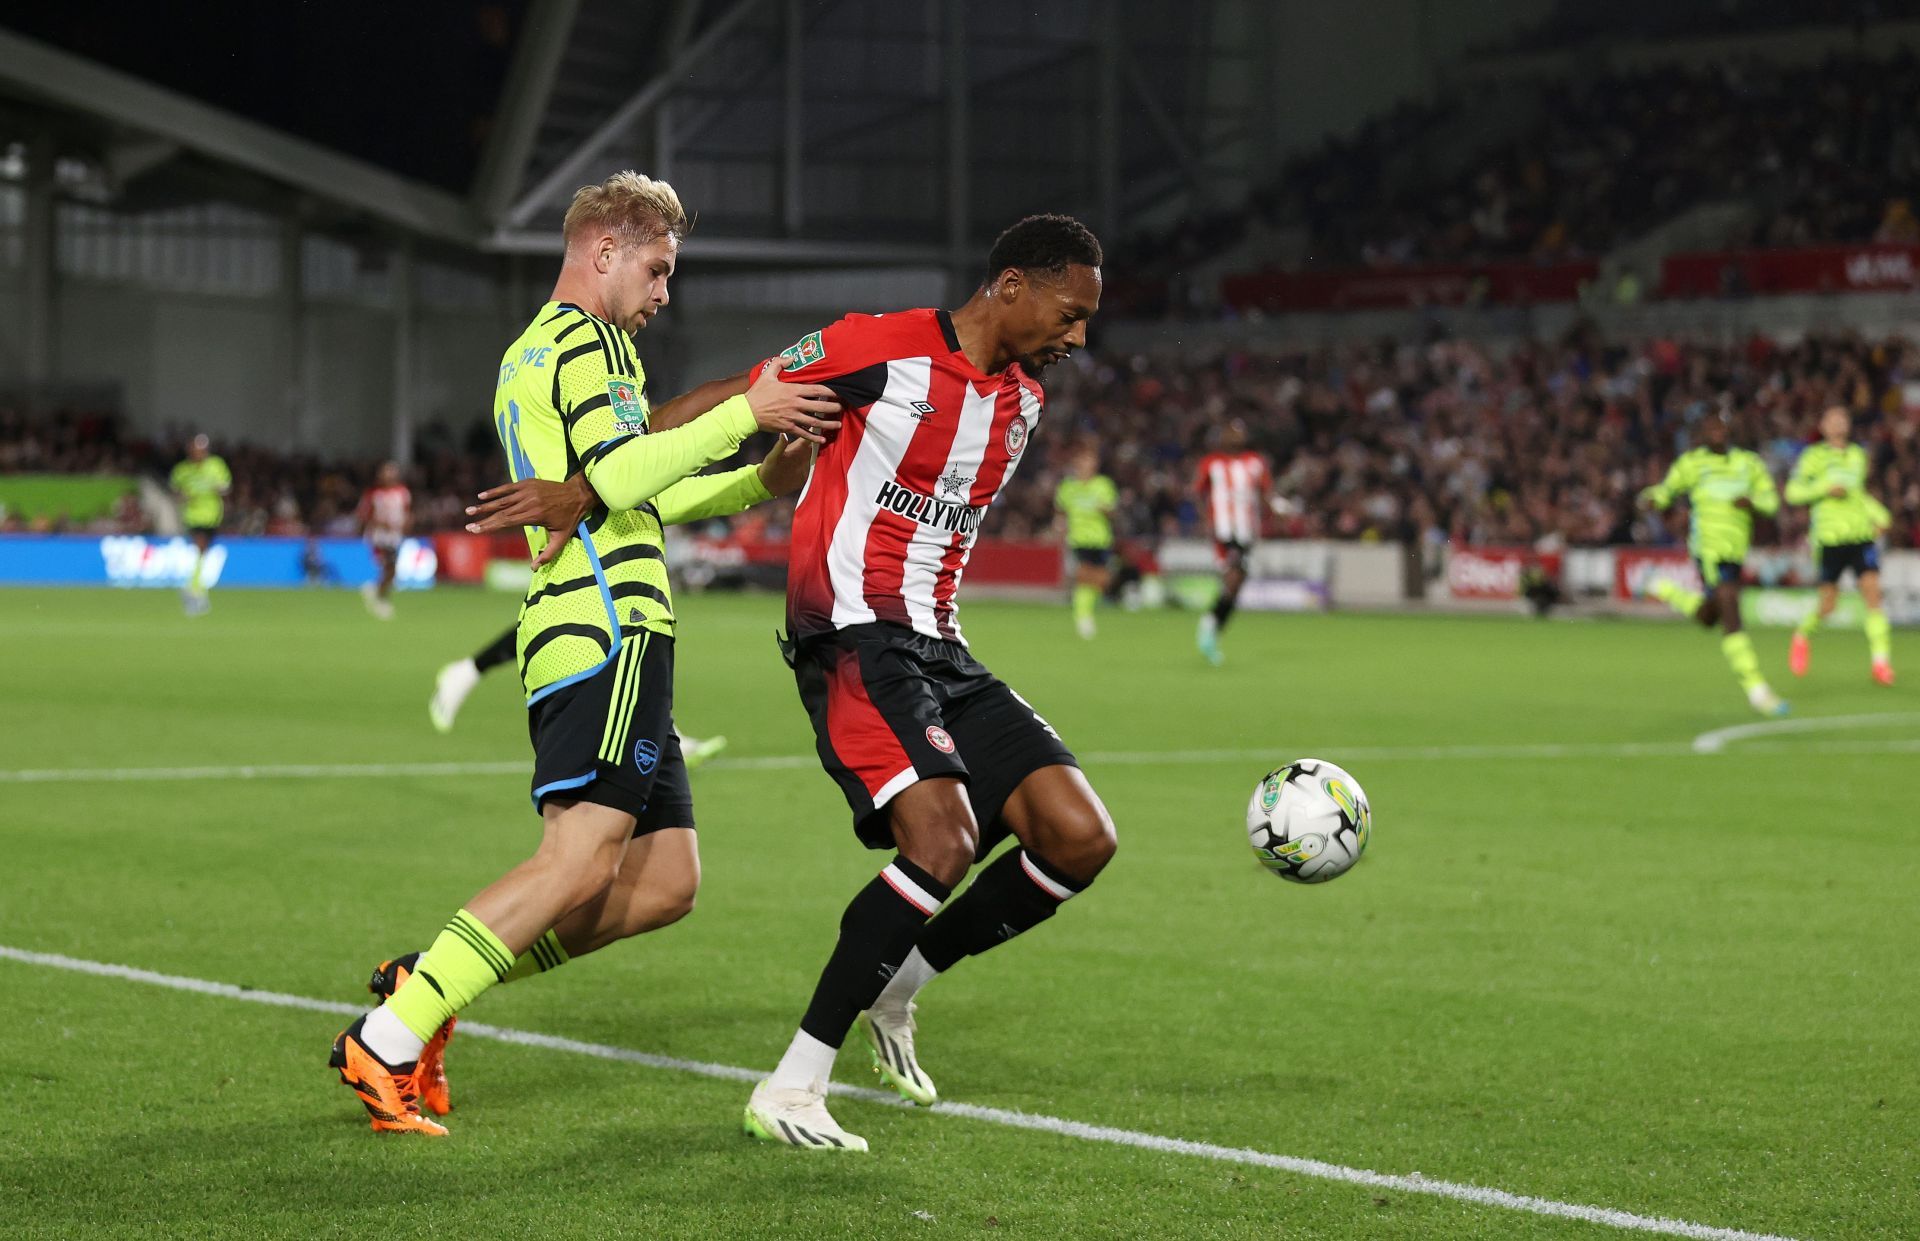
(1270, 788)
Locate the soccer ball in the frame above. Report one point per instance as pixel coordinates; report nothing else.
(1308, 821)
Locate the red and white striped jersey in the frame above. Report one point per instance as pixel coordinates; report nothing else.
(926, 441)
(384, 510)
(1232, 487)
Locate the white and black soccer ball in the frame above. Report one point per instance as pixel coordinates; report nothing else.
(1308, 821)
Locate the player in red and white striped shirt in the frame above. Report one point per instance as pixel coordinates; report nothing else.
(1234, 486)
(386, 515)
(939, 760)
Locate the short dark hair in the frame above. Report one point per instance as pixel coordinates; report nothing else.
(1048, 243)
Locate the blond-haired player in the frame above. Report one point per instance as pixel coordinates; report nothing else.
(1831, 478)
(617, 854)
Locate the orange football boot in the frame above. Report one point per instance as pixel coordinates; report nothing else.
(1883, 672)
(388, 1094)
(430, 1072)
(1799, 654)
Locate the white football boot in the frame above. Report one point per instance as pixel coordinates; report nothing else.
(797, 1118)
(450, 689)
(889, 1036)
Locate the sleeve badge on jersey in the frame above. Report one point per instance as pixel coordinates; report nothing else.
(1016, 435)
(803, 352)
(629, 406)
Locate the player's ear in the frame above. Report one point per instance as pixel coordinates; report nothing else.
(1010, 283)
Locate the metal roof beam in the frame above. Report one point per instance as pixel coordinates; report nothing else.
(523, 101)
(73, 82)
(570, 169)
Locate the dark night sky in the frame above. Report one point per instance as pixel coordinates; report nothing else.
(408, 86)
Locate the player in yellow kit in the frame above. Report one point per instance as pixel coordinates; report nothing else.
(1084, 500)
(595, 642)
(201, 482)
(1831, 478)
(1724, 487)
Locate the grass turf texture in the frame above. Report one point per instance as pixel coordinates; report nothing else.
(1674, 985)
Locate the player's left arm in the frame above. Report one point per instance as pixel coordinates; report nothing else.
(706, 496)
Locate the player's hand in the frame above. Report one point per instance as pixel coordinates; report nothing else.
(1743, 504)
(1838, 491)
(559, 507)
(1644, 502)
(809, 411)
(785, 469)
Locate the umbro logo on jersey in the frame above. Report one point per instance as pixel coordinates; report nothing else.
(921, 410)
(938, 514)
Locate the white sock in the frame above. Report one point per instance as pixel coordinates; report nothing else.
(387, 1037)
(913, 974)
(806, 1066)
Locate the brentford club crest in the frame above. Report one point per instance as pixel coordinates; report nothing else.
(937, 738)
(1016, 435)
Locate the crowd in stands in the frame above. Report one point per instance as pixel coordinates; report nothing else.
(1823, 152)
(274, 491)
(1547, 444)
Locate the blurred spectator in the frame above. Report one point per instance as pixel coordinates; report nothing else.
(1545, 444)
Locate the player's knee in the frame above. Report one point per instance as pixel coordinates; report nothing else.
(673, 896)
(944, 849)
(1082, 840)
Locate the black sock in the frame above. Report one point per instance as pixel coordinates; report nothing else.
(499, 651)
(1010, 897)
(876, 933)
(1222, 609)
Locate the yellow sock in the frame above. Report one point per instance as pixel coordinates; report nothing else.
(1879, 636)
(1084, 599)
(1809, 623)
(1738, 648)
(464, 961)
(1676, 596)
(546, 954)
(199, 562)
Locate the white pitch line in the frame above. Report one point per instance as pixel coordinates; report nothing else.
(1717, 740)
(1411, 1183)
(1113, 758)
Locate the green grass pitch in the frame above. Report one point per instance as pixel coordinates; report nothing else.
(1672, 984)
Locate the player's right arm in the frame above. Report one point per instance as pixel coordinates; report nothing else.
(627, 469)
(1804, 484)
(1678, 482)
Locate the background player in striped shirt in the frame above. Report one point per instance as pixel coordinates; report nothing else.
(1085, 499)
(1724, 487)
(386, 516)
(1235, 487)
(200, 483)
(939, 760)
(617, 855)
(1831, 477)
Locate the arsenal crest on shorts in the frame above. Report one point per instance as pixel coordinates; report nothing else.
(1016, 435)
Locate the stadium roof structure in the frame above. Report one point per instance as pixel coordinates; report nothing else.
(802, 132)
